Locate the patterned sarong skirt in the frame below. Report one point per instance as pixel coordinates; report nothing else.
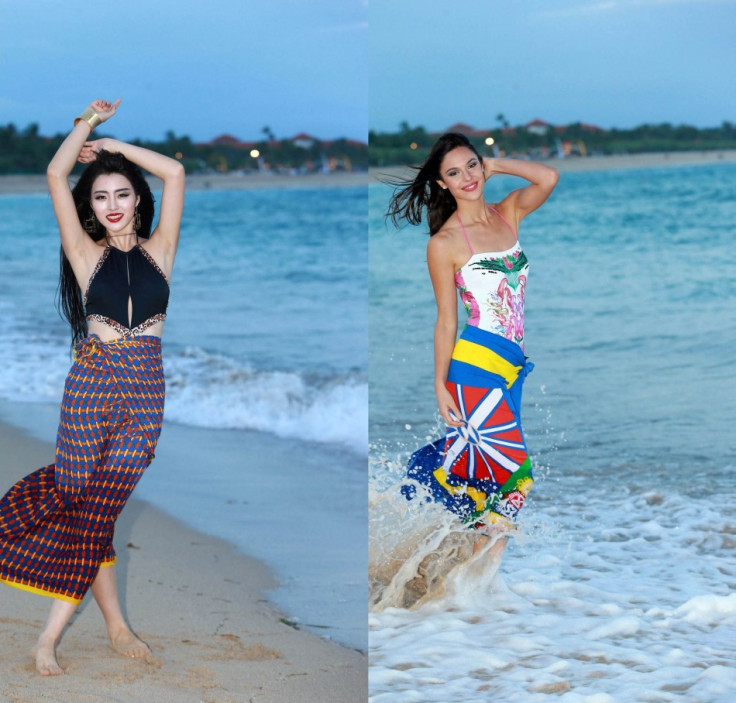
(57, 524)
(480, 470)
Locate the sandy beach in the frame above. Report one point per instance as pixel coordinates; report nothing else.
(616, 162)
(194, 599)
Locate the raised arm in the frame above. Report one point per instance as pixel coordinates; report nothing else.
(165, 238)
(77, 245)
(519, 203)
(440, 264)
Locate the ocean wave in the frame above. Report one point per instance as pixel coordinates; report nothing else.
(210, 390)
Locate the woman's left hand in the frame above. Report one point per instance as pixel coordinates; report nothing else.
(88, 154)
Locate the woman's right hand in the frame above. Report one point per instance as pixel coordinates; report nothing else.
(448, 408)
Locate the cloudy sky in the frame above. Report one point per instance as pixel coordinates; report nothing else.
(197, 68)
(615, 63)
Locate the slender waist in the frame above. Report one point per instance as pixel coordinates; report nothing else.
(128, 355)
(478, 352)
(142, 342)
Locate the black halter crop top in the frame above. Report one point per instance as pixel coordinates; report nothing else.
(123, 276)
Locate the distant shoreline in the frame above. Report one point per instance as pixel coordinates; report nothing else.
(36, 183)
(614, 162)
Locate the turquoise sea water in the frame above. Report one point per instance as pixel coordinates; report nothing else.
(620, 583)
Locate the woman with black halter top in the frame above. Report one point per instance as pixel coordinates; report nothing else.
(57, 524)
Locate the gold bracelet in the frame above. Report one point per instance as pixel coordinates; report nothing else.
(90, 117)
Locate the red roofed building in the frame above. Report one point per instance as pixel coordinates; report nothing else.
(304, 140)
(591, 128)
(227, 140)
(583, 127)
(462, 128)
(539, 127)
(349, 142)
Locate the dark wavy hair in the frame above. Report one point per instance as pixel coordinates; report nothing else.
(69, 296)
(411, 197)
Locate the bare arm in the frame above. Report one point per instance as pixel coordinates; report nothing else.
(519, 203)
(78, 247)
(165, 238)
(441, 271)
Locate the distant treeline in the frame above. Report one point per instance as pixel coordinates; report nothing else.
(25, 151)
(410, 145)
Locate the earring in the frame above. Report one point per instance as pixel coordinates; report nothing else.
(90, 225)
(137, 220)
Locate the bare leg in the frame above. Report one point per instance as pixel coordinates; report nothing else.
(496, 551)
(122, 639)
(45, 650)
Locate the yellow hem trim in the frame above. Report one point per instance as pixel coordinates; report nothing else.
(109, 563)
(478, 355)
(40, 591)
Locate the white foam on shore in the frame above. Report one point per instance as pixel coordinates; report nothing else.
(709, 610)
(603, 596)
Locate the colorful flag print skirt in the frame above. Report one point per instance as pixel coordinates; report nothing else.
(481, 470)
(56, 525)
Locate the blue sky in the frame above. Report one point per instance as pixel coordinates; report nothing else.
(234, 66)
(200, 68)
(614, 63)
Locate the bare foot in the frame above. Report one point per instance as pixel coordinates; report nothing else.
(124, 642)
(45, 657)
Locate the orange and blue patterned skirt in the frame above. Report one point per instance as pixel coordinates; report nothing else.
(57, 524)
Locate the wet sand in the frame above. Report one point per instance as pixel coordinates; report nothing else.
(194, 599)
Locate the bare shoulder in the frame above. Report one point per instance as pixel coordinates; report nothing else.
(446, 244)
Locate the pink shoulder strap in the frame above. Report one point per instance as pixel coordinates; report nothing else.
(504, 219)
(467, 239)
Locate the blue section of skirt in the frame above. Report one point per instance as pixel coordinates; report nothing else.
(468, 375)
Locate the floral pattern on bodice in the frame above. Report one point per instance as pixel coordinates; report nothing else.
(492, 289)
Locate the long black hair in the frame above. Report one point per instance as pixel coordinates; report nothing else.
(411, 197)
(69, 296)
